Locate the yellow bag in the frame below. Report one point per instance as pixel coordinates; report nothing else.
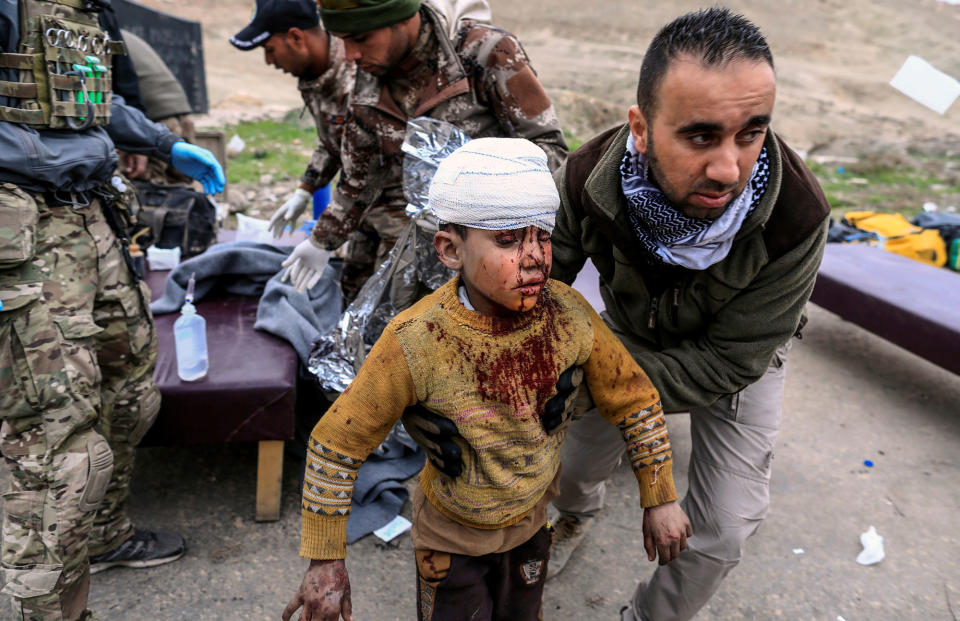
(899, 236)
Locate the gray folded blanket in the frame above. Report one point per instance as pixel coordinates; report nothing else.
(253, 269)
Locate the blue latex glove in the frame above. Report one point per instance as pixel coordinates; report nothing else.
(200, 164)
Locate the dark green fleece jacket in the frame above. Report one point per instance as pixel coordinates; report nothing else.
(714, 331)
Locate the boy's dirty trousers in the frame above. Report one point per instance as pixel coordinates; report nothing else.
(729, 477)
(494, 587)
(77, 351)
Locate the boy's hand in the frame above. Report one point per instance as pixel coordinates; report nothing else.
(324, 593)
(665, 531)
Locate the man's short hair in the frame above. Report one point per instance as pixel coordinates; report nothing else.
(716, 36)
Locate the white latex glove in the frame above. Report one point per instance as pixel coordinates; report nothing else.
(305, 265)
(289, 212)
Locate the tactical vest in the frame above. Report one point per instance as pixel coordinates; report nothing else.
(63, 65)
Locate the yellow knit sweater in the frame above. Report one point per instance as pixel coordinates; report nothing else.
(491, 376)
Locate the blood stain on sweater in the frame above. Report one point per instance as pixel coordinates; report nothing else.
(527, 372)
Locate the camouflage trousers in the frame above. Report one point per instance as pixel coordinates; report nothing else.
(77, 351)
(369, 245)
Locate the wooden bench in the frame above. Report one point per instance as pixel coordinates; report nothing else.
(248, 395)
(909, 303)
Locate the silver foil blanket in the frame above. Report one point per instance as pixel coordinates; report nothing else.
(410, 271)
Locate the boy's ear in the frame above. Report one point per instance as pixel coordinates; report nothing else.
(447, 244)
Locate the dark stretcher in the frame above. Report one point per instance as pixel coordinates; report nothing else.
(909, 303)
(247, 396)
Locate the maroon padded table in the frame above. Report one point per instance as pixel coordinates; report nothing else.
(909, 303)
(248, 394)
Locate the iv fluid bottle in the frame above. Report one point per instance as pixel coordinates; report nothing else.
(190, 336)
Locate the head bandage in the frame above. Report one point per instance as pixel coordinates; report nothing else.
(495, 184)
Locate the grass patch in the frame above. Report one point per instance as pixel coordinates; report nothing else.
(572, 141)
(272, 147)
(890, 184)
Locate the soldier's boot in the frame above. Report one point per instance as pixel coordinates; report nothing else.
(144, 549)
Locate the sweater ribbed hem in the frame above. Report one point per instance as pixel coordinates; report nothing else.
(323, 537)
(429, 474)
(656, 484)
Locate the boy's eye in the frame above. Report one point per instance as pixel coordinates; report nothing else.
(505, 239)
(543, 236)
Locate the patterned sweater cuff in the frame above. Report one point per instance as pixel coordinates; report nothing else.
(656, 485)
(323, 537)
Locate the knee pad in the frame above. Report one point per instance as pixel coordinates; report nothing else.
(149, 408)
(100, 470)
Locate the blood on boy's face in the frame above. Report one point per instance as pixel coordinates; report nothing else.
(504, 272)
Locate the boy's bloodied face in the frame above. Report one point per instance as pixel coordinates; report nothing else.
(504, 272)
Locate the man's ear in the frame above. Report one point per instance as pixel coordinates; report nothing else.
(638, 128)
(296, 38)
(447, 244)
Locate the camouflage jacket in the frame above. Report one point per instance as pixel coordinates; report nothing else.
(481, 81)
(327, 98)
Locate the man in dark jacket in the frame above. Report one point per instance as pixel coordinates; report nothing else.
(707, 232)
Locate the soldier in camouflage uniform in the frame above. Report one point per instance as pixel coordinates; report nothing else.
(294, 42)
(77, 345)
(480, 81)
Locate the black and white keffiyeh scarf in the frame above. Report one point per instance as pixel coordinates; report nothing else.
(673, 237)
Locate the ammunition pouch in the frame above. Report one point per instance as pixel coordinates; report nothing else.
(62, 68)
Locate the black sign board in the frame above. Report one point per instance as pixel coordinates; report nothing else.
(178, 41)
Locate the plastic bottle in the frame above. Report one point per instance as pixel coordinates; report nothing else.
(190, 337)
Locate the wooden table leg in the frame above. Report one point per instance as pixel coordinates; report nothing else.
(269, 480)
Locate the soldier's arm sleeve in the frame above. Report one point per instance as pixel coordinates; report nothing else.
(131, 131)
(360, 185)
(322, 168)
(519, 100)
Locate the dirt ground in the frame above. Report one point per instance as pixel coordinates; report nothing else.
(834, 60)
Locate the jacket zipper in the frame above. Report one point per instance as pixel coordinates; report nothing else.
(654, 306)
(675, 309)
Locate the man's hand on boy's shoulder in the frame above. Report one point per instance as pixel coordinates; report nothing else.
(324, 593)
(665, 531)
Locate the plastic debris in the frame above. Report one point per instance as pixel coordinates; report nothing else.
(872, 547)
(840, 618)
(236, 146)
(395, 527)
(253, 229)
(798, 550)
(163, 258)
(929, 206)
(868, 463)
(926, 84)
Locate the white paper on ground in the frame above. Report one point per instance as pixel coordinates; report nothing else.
(396, 526)
(798, 550)
(872, 547)
(926, 84)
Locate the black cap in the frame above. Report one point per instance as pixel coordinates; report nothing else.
(272, 17)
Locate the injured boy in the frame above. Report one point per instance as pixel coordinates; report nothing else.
(494, 351)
